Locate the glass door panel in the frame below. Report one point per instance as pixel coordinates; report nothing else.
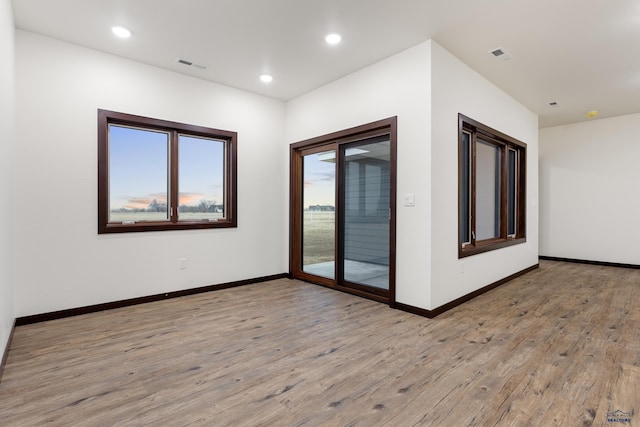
(366, 225)
(319, 213)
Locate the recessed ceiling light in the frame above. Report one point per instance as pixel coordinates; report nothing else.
(121, 32)
(333, 38)
(266, 78)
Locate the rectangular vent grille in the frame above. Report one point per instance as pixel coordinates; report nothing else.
(191, 64)
(500, 53)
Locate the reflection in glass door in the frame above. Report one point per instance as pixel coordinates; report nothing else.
(366, 224)
(319, 213)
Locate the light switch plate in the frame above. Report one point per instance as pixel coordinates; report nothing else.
(409, 200)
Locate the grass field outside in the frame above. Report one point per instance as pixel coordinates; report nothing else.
(318, 237)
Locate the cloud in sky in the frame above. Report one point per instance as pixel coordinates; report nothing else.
(319, 178)
(141, 202)
(194, 198)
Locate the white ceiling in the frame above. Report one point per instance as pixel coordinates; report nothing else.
(583, 54)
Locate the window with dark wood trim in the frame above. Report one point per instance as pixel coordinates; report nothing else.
(491, 188)
(158, 175)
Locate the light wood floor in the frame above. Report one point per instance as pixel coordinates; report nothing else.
(558, 346)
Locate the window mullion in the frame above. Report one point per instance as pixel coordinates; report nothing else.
(504, 177)
(173, 173)
(521, 193)
(472, 201)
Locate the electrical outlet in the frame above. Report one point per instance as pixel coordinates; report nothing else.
(183, 263)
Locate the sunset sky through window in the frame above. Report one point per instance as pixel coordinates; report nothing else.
(138, 168)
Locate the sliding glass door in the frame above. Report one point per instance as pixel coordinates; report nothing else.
(342, 217)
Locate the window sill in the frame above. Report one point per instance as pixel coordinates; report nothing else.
(488, 246)
(164, 226)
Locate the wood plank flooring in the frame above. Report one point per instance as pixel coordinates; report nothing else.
(559, 346)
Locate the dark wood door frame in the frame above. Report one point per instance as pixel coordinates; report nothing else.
(334, 141)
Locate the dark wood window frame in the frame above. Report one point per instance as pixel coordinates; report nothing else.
(174, 130)
(512, 225)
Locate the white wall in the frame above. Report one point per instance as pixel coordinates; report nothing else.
(6, 141)
(426, 87)
(589, 204)
(397, 86)
(458, 89)
(59, 259)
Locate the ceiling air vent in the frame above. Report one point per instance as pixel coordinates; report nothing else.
(191, 64)
(500, 53)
